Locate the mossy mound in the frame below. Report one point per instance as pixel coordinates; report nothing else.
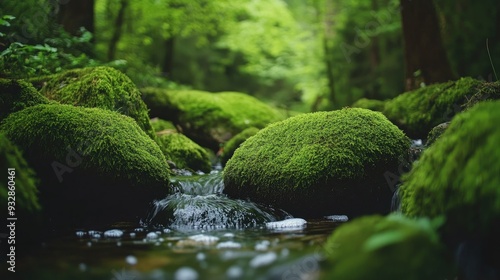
(90, 161)
(436, 132)
(185, 153)
(23, 178)
(418, 111)
(371, 104)
(162, 126)
(99, 87)
(16, 95)
(458, 176)
(209, 118)
(393, 247)
(235, 142)
(319, 163)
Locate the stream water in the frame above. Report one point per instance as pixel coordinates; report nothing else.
(195, 233)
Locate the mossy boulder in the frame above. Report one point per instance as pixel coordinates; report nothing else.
(16, 95)
(209, 118)
(162, 126)
(99, 87)
(235, 142)
(393, 247)
(418, 111)
(90, 161)
(371, 104)
(436, 132)
(320, 163)
(458, 177)
(23, 177)
(185, 153)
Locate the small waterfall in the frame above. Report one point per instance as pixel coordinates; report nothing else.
(198, 203)
(396, 201)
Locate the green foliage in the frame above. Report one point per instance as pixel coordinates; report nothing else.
(371, 104)
(209, 118)
(235, 142)
(323, 160)
(111, 145)
(16, 95)
(392, 247)
(25, 178)
(22, 60)
(100, 87)
(418, 111)
(457, 176)
(185, 153)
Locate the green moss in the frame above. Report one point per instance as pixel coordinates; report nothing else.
(209, 118)
(109, 143)
(436, 132)
(24, 178)
(16, 95)
(393, 247)
(371, 104)
(458, 175)
(99, 87)
(417, 112)
(160, 125)
(235, 142)
(184, 152)
(319, 163)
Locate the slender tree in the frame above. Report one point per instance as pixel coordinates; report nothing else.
(74, 14)
(117, 32)
(424, 51)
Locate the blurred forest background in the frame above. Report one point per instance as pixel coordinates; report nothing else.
(304, 55)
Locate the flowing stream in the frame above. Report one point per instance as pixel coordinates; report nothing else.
(195, 233)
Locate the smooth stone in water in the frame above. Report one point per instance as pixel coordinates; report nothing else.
(289, 223)
(186, 273)
(204, 239)
(337, 218)
(263, 259)
(113, 233)
(228, 245)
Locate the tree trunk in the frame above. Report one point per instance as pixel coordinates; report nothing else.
(117, 33)
(424, 51)
(76, 14)
(327, 36)
(168, 59)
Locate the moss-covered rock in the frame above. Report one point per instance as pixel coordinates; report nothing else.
(185, 153)
(16, 95)
(99, 87)
(162, 126)
(436, 132)
(371, 104)
(458, 176)
(418, 111)
(235, 142)
(319, 163)
(209, 118)
(393, 247)
(24, 181)
(90, 161)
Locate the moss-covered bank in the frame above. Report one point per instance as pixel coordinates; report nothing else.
(90, 161)
(99, 87)
(319, 163)
(24, 182)
(209, 118)
(16, 95)
(418, 111)
(458, 177)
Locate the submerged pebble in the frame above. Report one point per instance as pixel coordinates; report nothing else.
(229, 245)
(204, 239)
(186, 273)
(152, 235)
(263, 245)
(80, 233)
(234, 272)
(131, 260)
(263, 259)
